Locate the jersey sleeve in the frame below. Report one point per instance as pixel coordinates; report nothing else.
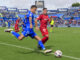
(48, 19)
(39, 17)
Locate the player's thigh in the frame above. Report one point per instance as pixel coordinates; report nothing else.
(16, 27)
(44, 32)
(33, 35)
(37, 37)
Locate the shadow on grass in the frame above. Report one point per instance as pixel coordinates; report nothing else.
(49, 47)
(36, 51)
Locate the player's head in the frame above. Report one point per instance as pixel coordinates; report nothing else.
(33, 8)
(44, 10)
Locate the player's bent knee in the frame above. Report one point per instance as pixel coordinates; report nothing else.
(37, 38)
(20, 38)
(46, 35)
(47, 38)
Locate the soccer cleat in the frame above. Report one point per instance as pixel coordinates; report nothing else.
(8, 30)
(48, 51)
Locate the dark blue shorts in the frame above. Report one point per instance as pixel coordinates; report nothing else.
(29, 32)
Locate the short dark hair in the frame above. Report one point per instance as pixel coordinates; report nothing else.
(44, 8)
(33, 6)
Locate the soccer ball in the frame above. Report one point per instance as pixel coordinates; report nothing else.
(58, 53)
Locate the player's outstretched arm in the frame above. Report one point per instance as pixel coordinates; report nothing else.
(36, 24)
(30, 20)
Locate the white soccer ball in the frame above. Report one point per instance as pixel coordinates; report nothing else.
(58, 53)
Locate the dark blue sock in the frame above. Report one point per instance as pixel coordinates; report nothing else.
(15, 34)
(41, 45)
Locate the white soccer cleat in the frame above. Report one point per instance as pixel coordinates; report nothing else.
(8, 30)
(48, 51)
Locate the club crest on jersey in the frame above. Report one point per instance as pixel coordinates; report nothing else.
(30, 14)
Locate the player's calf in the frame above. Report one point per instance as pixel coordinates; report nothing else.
(20, 37)
(44, 39)
(40, 42)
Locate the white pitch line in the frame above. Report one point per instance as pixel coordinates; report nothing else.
(16, 46)
(34, 50)
(69, 57)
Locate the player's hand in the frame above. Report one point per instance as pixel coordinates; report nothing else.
(37, 28)
(31, 26)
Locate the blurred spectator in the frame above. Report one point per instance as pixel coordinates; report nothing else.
(1, 19)
(56, 23)
(78, 22)
(74, 22)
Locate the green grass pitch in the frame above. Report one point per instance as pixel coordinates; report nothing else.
(65, 39)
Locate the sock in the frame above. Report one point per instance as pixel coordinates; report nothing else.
(15, 34)
(44, 39)
(41, 44)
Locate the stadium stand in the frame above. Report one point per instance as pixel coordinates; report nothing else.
(63, 17)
